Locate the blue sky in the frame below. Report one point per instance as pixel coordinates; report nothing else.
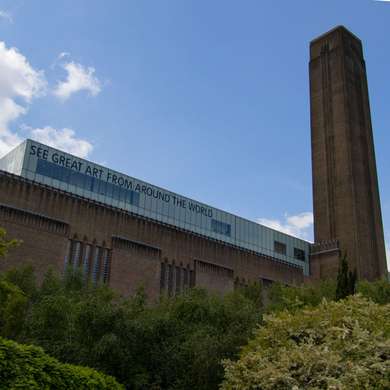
(208, 99)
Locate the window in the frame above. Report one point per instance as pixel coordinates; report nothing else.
(299, 254)
(170, 279)
(94, 261)
(220, 227)
(178, 280)
(96, 265)
(174, 279)
(76, 254)
(163, 276)
(106, 265)
(185, 277)
(87, 253)
(280, 248)
(86, 182)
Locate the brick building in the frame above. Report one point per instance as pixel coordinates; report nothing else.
(128, 233)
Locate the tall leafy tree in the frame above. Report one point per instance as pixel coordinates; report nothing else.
(346, 280)
(6, 245)
(336, 345)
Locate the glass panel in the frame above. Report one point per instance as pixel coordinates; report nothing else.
(96, 265)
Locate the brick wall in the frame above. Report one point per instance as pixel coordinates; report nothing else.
(138, 246)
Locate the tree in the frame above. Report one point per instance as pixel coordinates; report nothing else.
(338, 345)
(13, 306)
(175, 343)
(6, 245)
(378, 291)
(346, 280)
(292, 298)
(28, 367)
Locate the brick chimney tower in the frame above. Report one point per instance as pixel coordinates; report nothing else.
(345, 186)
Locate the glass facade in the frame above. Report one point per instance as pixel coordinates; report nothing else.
(85, 182)
(61, 170)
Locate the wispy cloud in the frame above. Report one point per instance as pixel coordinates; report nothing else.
(299, 225)
(6, 15)
(78, 78)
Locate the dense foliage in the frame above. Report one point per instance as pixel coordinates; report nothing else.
(6, 245)
(339, 345)
(346, 280)
(28, 367)
(177, 343)
(181, 342)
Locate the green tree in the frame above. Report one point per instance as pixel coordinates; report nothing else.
(346, 280)
(13, 307)
(292, 298)
(28, 367)
(6, 245)
(378, 291)
(176, 343)
(339, 345)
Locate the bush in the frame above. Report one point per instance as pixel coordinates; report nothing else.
(339, 345)
(28, 367)
(378, 291)
(292, 298)
(175, 343)
(23, 366)
(13, 306)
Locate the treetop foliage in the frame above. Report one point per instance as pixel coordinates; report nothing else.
(28, 367)
(176, 343)
(346, 280)
(303, 338)
(339, 345)
(6, 245)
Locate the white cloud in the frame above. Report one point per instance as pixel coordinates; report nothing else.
(299, 225)
(79, 78)
(64, 139)
(6, 15)
(63, 55)
(19, 84)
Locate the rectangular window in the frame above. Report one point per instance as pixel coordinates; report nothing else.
(86, 182)
(220, 227)
(178, 280)
(96, 265)
(192, 278)
(185, 278)
(170, 279)
(68, 254)
(76, 254)
(87, 253)
(162, 276)
(299, 254)
(106, 265)
(280, 248)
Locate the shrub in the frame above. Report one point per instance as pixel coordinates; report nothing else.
(339, 345)
(28, 367)
(176, 343)
(13, 305)
(378, 291)
(6, 245)
(292, 298)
